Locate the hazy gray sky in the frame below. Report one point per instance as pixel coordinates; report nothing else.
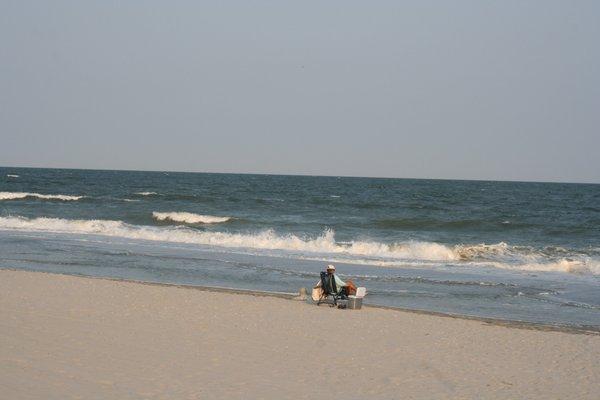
(427, 89)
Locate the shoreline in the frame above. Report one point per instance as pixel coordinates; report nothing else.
(582, 330)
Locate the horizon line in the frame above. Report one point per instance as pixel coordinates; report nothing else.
(305, 175)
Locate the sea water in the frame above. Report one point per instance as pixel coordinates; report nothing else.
(510, 250)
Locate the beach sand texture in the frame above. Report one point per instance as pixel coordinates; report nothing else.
(65, 337)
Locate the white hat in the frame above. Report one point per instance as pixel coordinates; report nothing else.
(331, 266)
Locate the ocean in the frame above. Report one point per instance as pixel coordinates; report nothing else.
(517, 251)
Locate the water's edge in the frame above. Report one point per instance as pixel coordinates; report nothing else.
(582, 330)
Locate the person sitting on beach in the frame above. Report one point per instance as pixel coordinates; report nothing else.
(341, 286)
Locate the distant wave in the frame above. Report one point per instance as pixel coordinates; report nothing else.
(498, 255)
(188, 218)
(12, 175)
(146, 193)
(428, 223)
(23, 195)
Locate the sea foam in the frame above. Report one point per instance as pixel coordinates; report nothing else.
(368, 252)
(266, 239)
(188, 218)
(23, 195)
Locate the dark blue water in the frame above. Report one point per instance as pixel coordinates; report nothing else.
(511, 250)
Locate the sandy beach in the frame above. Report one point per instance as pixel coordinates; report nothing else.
(65, 337)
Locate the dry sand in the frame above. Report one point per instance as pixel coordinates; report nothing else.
(64, 337)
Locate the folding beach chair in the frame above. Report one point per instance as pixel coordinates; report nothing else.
(329, 289)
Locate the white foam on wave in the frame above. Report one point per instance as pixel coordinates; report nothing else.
(188, 218)
(266, 239)
(524, 258)
(23, 195)
(12, 175)
(146, 193)
(481, 251)
(499, 255)
(583, 265)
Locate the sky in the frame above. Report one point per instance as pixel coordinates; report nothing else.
(500, 90)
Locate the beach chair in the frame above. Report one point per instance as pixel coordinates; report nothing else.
(329, 289)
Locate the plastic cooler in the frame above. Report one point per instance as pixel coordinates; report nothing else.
(354, 303)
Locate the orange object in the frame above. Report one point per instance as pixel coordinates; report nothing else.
(350, 288)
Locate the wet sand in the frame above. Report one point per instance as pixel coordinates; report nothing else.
(66, 337)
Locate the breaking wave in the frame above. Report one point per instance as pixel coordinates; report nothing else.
(146, 193)
(12, 175)
(498, 255)
(188, 218)
(583, 265)
(23, 195)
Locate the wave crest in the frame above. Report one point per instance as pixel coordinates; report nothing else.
(188, 218)
(481, 251)
(267, 239)
(23, 195)
(583, 265)
(499, 255)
